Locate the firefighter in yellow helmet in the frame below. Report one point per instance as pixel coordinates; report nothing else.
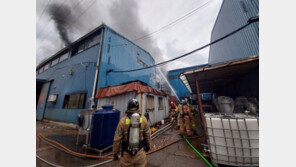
(133, 136)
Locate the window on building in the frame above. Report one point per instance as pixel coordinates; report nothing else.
(74, 101)
(149, 103)
(86, 43)
(55, 61)
(160, 103)
(81, 48)
(63, 57)
(40, 70)
(46, 67)
(94, 40)
(141, 62)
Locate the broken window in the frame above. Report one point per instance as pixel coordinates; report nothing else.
(160, 103)
(74, 101)
(149, 102)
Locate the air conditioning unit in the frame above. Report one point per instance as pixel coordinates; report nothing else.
(52, 98)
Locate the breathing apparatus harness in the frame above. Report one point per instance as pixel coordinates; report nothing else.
(133, 144)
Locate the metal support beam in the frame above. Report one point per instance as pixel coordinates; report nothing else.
(200, 106)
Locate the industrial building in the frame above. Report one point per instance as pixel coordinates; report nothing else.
(232, 15)
(241, 45)
(68, 81)
(232, 73)
(177, 84)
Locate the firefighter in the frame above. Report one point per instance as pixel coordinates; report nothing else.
(187, 121)
(133, 136)
(173, 111)
(180, 112)
(192, 117)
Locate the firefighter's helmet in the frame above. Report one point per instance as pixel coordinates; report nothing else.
(133, 105)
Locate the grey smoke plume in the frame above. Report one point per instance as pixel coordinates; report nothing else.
(62, 16)
(124, 17)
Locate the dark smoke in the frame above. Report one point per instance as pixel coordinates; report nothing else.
(124, 17)
(62, 16)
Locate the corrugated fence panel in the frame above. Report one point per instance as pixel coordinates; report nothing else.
(234, 14)
(119, 102)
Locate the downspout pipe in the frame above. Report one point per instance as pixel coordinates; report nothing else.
(92, 100)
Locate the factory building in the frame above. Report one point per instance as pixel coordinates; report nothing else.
(68, 81)
(232, 15)
(176, 82)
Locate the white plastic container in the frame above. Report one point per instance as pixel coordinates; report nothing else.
(162, 122)
(233, 140)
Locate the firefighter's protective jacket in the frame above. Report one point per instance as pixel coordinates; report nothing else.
(121, 133)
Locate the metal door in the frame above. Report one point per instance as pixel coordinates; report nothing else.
(42, 101)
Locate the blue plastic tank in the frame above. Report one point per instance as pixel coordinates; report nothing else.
(104, 124)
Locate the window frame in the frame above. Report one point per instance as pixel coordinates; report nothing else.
(46, 65)
(152, 97)
(80, 103)
(66, 57)
(58, 59)
(39, 71)
(162, 103)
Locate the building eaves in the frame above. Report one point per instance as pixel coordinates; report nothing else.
(68, 47)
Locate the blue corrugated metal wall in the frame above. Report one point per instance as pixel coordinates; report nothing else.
(234, 14)
(62, 83)
(176, 82)
(116, 57)
(118, 53)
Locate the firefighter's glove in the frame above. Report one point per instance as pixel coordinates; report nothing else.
(115, 157)
(147, 149)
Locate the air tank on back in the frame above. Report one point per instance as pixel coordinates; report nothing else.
(103, 127)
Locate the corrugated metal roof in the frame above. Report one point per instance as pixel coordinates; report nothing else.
(232, 15)
(219, 73)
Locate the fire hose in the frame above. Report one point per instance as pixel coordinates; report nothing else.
(65, 149)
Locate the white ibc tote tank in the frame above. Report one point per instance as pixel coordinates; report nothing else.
(233, 140)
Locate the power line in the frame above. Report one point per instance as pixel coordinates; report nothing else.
(174, 22)
(75, 19)
(251, 20)
(171, 24)
(44, 9)
(49, 20)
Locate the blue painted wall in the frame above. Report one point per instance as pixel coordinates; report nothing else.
(63, 83)
(234, 14)
(83, 64)
(118, 53)
(176, 82)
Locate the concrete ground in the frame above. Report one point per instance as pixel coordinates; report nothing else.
(178, 154)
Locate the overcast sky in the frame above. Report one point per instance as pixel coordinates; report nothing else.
(134, 19)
